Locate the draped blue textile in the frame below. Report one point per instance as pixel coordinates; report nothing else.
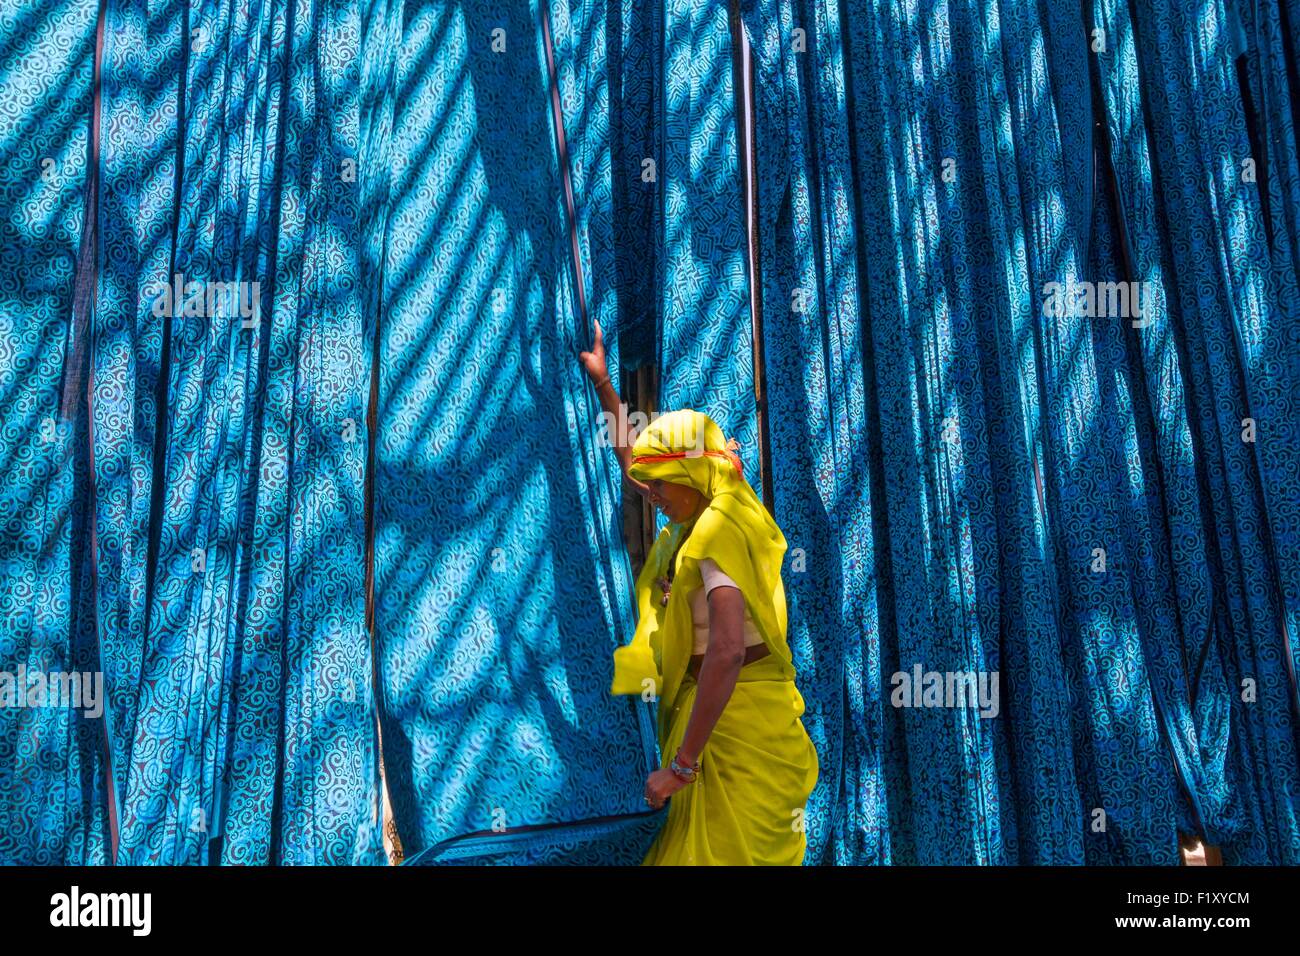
(705, 331)
(369, 499)
(1235, 321)
(53, 808)
(930, 171)
(228, 450)
(218, 569)
(916, 407)
(501, 587)
(636, 143)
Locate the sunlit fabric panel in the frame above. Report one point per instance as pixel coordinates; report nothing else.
(822, 450)
(1127, 780)
(228, 408)
(586, 41)
(948, 318)
(944, 406)
(1267, 64)
(633, 76)
(1050, 468)
(53, 808)
(1170, 522)
(975, 171)
(1225, 273)
(705, 327)
(499, 594)
(289, 320)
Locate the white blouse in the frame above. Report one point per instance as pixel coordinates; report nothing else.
(699, 599)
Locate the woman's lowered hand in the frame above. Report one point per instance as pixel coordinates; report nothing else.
(660, 785)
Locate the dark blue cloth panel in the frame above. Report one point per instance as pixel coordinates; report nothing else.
(500, 593)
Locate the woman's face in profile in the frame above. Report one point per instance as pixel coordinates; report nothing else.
(679, 502)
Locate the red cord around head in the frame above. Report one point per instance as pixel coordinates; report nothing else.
(730, 455)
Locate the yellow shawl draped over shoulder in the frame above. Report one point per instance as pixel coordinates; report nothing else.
(735, 530)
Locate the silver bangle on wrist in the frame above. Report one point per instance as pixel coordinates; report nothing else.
(682, 771)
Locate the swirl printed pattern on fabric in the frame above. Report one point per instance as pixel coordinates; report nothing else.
(636, 144)
(501, 586)
(302, 245)
(906, 484)
(53, 807)
(705, 333)
(1235, 324)
(229, 444)
(956, 477)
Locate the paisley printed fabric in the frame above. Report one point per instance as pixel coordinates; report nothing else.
(982, 484)
(53, 798)
(196, 506)
(380, 505)
(228, 448)
(501, 584)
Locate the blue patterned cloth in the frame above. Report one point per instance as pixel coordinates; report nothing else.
(379, 507)
(501, 587)
(53, 797)
(955, 457)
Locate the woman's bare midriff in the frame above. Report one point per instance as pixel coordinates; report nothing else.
(754, 652)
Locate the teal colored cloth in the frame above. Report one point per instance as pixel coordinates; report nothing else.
(384, 509)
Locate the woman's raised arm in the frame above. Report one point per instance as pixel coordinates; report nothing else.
(594, 363)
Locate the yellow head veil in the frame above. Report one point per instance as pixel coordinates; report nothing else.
(735, 530)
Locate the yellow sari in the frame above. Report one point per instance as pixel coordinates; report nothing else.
(758, 767)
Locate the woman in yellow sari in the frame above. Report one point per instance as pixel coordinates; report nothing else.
(710, 644)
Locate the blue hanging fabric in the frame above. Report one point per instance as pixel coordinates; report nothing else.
(991, 419)
(919, 485)
(53, 806)
(501, 587)
(636, 143)
(1168, 522)
(311, 278)
(228, 404)
(705, 328)
(1228, 320)
(584, 51)
(1128, 785)
(1269, 55)
(816, 420)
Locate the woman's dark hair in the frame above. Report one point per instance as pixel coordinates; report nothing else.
(672, 561)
